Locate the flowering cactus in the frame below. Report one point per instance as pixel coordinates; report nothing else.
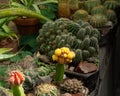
(16, 79)
(62, 56)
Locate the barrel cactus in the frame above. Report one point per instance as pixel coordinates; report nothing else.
(46, 90)
(111, 15)
(89, 4)
(80, 14)
(66, 33)
(74, 86)
(98, 20)
(100, 9)
(74, 5)
(110, 4)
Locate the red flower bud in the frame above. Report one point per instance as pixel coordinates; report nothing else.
(16, 77)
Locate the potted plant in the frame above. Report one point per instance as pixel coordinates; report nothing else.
(22, 22)
(8, 38)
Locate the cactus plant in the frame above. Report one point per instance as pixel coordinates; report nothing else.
(80, 14)
(111, 15)
(100, 9)
(46, 90)
(98, 20)
(74, 86)
(89, 4)
(110, 4)
(69, 34)
(5, 92)
(73, 4)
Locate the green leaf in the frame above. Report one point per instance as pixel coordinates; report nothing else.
(5, 50)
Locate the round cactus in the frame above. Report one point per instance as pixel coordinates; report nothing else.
(80, 14)
(100, 9)
(98, 20)
(46, 90)
(73, 4)
(92, 50)
(110, 4)
(86, 42)
(74, 86)
(85, 54)
(89, 4)
(111, 15)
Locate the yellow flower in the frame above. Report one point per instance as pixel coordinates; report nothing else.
(58, 52)
(55, 58)
(64, 55)
(71, 55)
(65, 49)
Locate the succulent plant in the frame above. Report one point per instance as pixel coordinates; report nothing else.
(67, 33)
(110, 4)
(100, 9)
(89, 4)
(46, 90)
(74, 5)
(98, 20)
(80, 14)
(5, 92)
(74, 86)
(111, 15)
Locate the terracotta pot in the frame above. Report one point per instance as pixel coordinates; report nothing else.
(8, 43)
(27, 26)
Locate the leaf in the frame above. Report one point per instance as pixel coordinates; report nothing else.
(5, 50)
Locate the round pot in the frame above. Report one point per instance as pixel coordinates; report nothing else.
(8, 43)
(27, 26)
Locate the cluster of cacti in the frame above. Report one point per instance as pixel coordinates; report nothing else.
(98, 20)
(5, 92)
(80, 14)
(46, 90)
(66, 33)
(74, 86)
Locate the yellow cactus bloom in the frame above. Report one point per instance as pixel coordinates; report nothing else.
(64, 55)
(58, 52)
(65, 49)
(71, 55)
(55, 58)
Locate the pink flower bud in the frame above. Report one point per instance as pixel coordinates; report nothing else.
(16, 77)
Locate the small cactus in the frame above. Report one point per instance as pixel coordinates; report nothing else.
(5, 92)
(110, 4)
(80, 14)
(89, 4)
(85, 54)
(98, 20)
(74, 86)
(74, 5)
(111, 15)
(46, 90)
(100, 9)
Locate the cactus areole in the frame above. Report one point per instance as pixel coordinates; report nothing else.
(16, 79)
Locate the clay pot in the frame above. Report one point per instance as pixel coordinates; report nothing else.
(8, 43)
(27, 26)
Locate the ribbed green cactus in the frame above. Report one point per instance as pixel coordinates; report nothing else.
(89, 4)
(98, 20)
(85, 54)
(77, 36)
(91, 50)
(80, 14)
(5, 92)
(110, 4)
(111, 15)
(74, 5)
(46, 90)
(100, 9)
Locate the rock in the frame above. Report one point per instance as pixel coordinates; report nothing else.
(85, 67)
